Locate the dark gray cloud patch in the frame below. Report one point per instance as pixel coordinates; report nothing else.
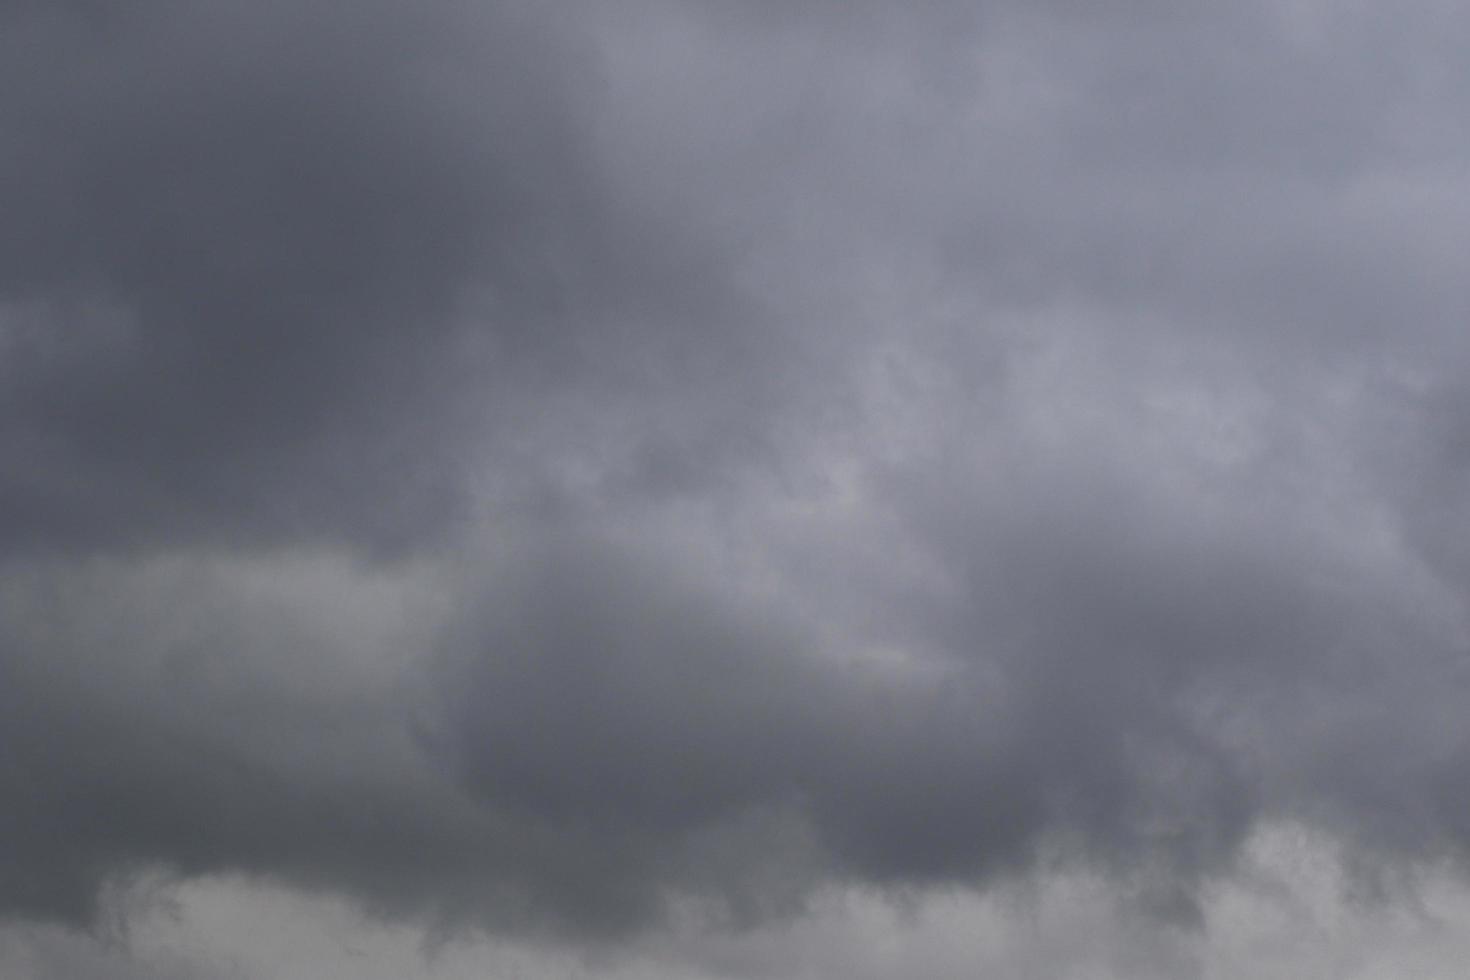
(271, 269)
(593, 689)
(237, 241)
(602, 689)
(195, 718)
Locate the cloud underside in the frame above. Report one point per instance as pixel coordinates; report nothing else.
(530, 469)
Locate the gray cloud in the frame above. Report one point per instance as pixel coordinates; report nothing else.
(534, 468)
(235, 234)
(262, 263)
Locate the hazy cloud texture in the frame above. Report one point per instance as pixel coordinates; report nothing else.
(545, 469)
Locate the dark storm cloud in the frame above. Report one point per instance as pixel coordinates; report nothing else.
(256, 259)
(604, 690)
(605, 733)
(226, 725)
(904, 448)
(235, 237)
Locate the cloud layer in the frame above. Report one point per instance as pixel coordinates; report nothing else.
(539, 469)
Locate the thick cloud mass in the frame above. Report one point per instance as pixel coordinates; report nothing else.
(548, 467)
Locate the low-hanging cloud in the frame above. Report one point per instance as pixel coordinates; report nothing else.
(538, 469)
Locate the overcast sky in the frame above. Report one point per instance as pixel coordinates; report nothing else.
(734, 489)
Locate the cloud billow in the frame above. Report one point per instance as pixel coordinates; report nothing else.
(546, 469)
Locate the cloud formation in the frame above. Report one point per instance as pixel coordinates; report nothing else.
(542, 469)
